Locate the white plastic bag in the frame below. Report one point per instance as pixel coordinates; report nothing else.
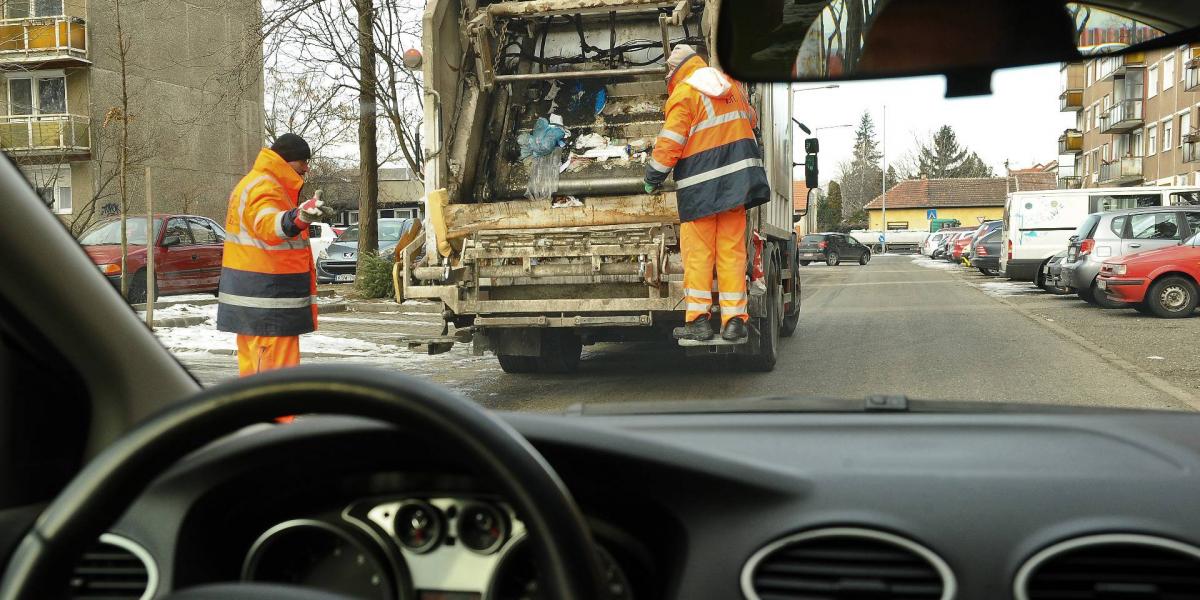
(543, 175)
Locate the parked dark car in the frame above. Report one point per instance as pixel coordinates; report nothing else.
(832, 248)
(1052, 275)
(985, 253)
(339, 262)
(187, 254)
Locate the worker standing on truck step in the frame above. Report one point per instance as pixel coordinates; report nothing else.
(708, 139)
(268, 280)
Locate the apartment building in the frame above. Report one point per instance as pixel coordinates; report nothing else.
(196, 101)
(1136, 120)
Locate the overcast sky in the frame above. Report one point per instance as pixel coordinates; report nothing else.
(1020, 122)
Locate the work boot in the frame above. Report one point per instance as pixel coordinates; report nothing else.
(735, 330)
(698, 330)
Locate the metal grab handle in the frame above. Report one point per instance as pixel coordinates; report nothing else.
(1135, 245)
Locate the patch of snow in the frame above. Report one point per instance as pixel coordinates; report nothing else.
(1155, 358)
(929, 263)
(1004, 289)
(183, 310)
(184, 341)
(185, 298)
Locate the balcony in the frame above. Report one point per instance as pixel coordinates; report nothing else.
(1118, 66)
(51, 138)
(1070, 142)
(1191, 147)
(1123, 171)
(44, 41)
(1123, 117)
(1070, 182)
(1071, 99)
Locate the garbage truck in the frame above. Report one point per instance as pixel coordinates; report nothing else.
(531, 264)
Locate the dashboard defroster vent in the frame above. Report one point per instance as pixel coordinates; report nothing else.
(846, 562)
(1111, 566)
(114, 568)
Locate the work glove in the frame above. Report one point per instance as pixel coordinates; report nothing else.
(315, 209)
(649, 187)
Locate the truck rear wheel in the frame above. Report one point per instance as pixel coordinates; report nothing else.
(768, 327)
(512, 363)
(561, 350)
(791, 319)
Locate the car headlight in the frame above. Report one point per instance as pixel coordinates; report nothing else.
(1118, 269)
(110, 268)
(323, 255)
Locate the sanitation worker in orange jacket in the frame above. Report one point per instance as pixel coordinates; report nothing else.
(708, 140)
(268, 281)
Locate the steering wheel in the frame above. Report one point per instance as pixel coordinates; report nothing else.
(105, 488)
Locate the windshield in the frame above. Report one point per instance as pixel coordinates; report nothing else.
(389, 231)
(109, 232)
(570, 249)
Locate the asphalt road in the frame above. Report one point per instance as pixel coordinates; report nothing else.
(895, 326)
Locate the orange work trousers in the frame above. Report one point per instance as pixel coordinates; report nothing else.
(258, 353)
(715, 241)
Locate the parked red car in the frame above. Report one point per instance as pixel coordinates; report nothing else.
(1160, 282)
(187, 255)
(960, 245)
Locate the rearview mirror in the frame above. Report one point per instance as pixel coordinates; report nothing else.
(810, 171)
(828, 40)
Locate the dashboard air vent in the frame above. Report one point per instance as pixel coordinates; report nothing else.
(846, 562)
(1112, 566)
(114, 568)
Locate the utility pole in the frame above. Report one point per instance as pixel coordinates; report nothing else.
(883, 176)
(151, 247)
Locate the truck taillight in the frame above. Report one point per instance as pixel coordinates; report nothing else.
(823, 245)
(1009, 249)
(1086, 246)
(980, 251)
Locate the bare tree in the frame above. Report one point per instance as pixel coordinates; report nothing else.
(309, 106)
(368, 150)
(121, 114)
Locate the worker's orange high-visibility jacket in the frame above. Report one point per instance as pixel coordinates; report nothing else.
(708, 139)
(268, 281)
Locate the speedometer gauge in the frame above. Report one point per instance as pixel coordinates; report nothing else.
(319, 555)
(419, 526)
(482, 528)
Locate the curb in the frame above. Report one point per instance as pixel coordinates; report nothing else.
(220, 352)
(180, 321)
(375, 307)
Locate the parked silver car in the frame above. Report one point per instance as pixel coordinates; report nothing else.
(1104, 236)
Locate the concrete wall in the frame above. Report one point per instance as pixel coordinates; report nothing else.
(969, 216)
(196, 99)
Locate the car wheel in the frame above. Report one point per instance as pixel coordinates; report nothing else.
(805, 263)
(1143, 308)
(1172, 297)
(137, 288)
(864, 258)
(832, 259)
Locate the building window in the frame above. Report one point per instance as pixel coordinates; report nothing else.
(1167, 126)
(1168, 70)
(24, 9)
(1185, 126)
(1096, 116)
(1135, 145)
(1152, 83)
(1151, 140)
(53, 185)
(1091, 75)
(37, 95)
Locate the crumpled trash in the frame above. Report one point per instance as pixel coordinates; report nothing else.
(566, 202)
(543, 175)
(545, 138)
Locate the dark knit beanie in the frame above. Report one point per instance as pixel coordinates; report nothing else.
(291, 147)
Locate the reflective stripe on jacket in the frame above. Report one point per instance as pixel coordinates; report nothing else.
(268, 280)
(708, 140)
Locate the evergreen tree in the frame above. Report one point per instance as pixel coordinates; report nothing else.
(861, 176)
(829, 215)
(943, 157)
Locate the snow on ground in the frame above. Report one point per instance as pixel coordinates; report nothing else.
(203, 339)
(185, 298)
(183, 310)
(389, 322)
(1003, 289)
(929, 263)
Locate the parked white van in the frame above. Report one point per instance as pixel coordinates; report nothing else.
(1037, 225)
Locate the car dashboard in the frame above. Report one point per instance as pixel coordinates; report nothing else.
(695, 506)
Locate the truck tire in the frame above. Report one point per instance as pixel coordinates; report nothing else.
(1172, 297)
(561, 350)
(787, 327)
(512, 363)
(768, 327)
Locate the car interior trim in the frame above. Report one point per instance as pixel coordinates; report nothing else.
(1021, 581)
(142, 554)
(949, 583)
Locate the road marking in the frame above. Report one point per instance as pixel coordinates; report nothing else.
(920, 282)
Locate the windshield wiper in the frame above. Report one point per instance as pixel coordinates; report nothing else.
(881, 403)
